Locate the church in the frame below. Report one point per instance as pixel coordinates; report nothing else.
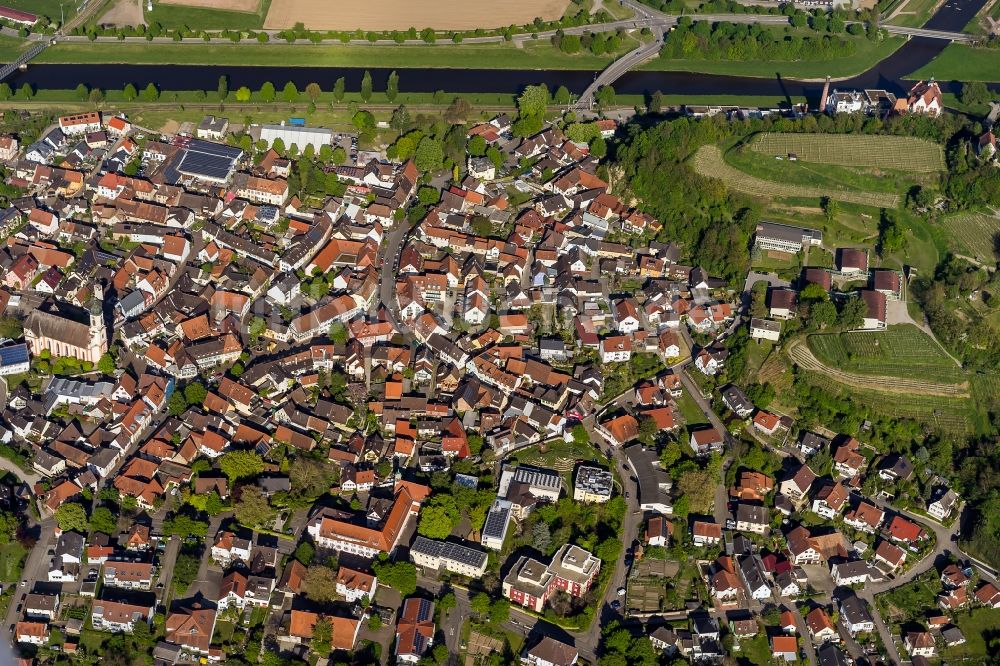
(67, 330)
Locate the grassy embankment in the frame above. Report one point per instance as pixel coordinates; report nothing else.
(959, 62)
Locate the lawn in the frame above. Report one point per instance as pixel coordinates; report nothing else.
(12, 557)
(900, 351)
(755, 651)
(690, 410)
(962, 63)
(911, 601)
(974, 235)
(913, 14)
(172, 17)
(855, 151)
(534, 55)
(866, 55)
(710, 162)
(976, 625)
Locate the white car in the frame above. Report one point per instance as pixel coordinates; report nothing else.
(621, 591)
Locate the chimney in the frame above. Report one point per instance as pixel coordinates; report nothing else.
(826, 92)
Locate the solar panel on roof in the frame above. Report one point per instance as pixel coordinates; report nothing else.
(13, 355)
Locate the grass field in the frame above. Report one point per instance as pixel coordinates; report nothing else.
(535, 55)
(900, 153)
(900, 351)
(962, 63)
(710, 162)
(913, 14)
(976, 625)
(866, 55)
(816, 175)
(974, 235)
(175, 15)
(690, 410)
(11, 561)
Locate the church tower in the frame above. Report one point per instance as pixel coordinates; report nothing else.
(98, 331)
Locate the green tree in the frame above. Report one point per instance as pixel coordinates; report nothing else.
(5, 91)
(130, 93)
(267, 92)
(338, 333)
(183, 526)
(177, 405)
(822, 314)
(400, 576)
(429, 156)
(222, 90)
(392, 86)
(253, 510)
(103, 521)
(605, 97)
(428, 195)
(480, 604)
(476, 146)
(435, 522)
(257, 327)
(313, 91)
(599, 147)
(71, 517)
(195, 393)
(852, 313)
(8, 527)
(107, 364)
(241, 465)
(304, 553)
(363, 121)
(290, 92)
(150, 93)
(366, 86)
(698, 487)
(339, 88)
(499, 611)
(562, 96)
(975, 93)
(656, 102)
(533, 101)
(243, 94)
(320, 583)
(322, 635)
(82, 92)
(446, 602)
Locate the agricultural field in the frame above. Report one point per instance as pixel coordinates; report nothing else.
(900, 153)
(952, 415)
(209, 14)
(710, 162)
(49, 8)
(900, 351)
(405, 14)
(974, 235)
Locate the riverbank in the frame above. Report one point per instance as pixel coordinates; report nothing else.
(868, 54)
(962, 63)
(531, 55)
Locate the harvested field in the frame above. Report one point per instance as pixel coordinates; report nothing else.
(709, 162)
(901, 153)
(123, 13)
(406, 14)
(879, 384)
(226, 5)
(975, 235)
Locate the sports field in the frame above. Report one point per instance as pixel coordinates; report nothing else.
(710, 162)
(900, 351)
(406, 14)
(901, 153)
(974, 235)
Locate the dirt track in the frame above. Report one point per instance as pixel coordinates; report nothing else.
(803, 356)
(406, 14)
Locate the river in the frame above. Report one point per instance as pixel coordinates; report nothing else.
(887, 74)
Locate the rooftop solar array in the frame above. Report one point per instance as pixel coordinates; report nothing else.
(497, 519)
(205, 159)
(451, 551)
(13, 355)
